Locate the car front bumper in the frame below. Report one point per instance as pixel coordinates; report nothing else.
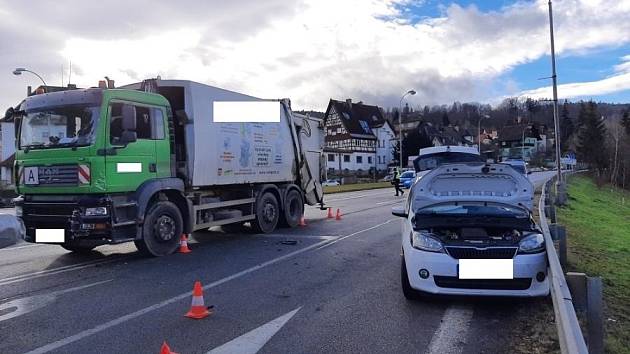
(443, 276)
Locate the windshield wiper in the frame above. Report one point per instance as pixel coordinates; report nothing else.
(27, 148)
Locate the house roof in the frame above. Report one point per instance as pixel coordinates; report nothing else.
(359, 119)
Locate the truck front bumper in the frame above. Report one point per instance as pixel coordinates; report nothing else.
(68, 213)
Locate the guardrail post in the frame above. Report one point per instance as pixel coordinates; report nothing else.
(595, 315)
(577, 287)
(552, 213)
(559, 233)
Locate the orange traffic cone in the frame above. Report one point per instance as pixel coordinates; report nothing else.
(166, 349)
(338, 217)
(183, 244)
(302, 221)
(330, 214)
(197, 309)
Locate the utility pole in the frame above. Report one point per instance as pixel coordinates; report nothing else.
(561, 197)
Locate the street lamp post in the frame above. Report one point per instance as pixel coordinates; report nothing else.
(561, 197)
(410, 92)
(19, 71)
(479, 131)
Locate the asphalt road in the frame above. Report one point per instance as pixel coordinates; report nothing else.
(333, 287)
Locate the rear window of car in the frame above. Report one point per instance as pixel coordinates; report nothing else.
(429, 162)
(407, 174)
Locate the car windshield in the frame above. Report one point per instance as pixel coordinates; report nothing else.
(474, 210)
(72, 125)
(429, 162)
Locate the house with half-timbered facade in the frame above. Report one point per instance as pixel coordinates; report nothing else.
(357, 138)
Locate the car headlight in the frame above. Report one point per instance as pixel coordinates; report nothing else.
(532, 244)
(423, 240)
(98, 211)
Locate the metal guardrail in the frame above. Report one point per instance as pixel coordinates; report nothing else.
(569, 332)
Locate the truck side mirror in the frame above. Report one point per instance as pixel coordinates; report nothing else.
(128, 117)
(128, 136)
(9, 113)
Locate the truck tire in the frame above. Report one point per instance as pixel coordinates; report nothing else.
(267, 213)
(163, 226)
(77, 248)
(293, 209)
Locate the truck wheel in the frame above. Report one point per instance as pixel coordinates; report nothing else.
(76, 248)
(267, 214)
(293, 209)
(163, 226)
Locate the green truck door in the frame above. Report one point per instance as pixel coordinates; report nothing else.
(129, 165)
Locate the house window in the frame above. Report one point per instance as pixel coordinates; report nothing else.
(346, 158)
(339, 130)
(359, 159)
(331, 157)
(370, 160)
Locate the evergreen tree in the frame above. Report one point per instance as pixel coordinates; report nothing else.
(625, 122)
(591, 137)
(445, 121)
(566, 127)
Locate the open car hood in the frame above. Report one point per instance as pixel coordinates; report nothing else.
(497, 183)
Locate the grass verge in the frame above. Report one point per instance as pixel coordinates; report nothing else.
(356, 187)
(598, 234)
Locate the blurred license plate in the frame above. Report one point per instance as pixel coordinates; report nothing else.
(486, 269)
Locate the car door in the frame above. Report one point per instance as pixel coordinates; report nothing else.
(128, 165)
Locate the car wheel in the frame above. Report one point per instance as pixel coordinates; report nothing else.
(293, 209)
(163, 226)
(267, 214)
(408, 291)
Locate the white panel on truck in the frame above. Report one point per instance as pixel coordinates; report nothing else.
(232, 153)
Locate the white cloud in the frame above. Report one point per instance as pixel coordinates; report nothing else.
(615, 83)
(309, 50)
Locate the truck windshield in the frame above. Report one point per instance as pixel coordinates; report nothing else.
(62, 126)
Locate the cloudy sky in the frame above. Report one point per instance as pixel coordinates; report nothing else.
(312, 50)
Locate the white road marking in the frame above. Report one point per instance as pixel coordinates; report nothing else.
(390, 202)
(354, 197)
(450, 337)
(20, 247)
(68, 268)
(297, 237)
(25, 305)
(94, 330)
(252, 341)
(355, 233)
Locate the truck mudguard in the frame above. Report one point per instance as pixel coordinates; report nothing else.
(149, 188)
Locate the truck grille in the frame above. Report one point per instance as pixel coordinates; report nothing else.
(58, 175)
(478, 253)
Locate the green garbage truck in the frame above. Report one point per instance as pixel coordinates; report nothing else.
(148, 162)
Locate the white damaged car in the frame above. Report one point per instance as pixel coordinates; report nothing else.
(468, 230)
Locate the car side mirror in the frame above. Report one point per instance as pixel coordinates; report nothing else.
(128, 136)
(399, 211)
(128, 117)
(9, 113)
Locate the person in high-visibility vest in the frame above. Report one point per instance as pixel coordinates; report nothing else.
(396, 182)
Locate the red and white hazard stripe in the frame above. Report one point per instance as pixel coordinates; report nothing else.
(84, 174)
